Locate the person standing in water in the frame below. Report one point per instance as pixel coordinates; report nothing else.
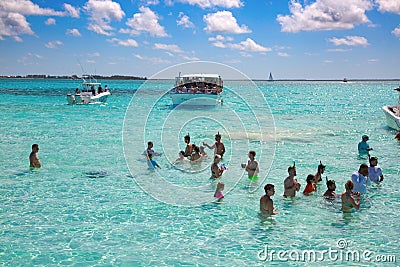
(291, 184)
(34, 161)
(252, 166)
(266, 203)
(374, 170)
(189, 148)
(320, 171)
(348, 201)
(218, 146)
(363, 146)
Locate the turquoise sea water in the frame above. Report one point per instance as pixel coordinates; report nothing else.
(89, 205)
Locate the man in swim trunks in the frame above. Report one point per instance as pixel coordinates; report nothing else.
(360, 179)
(291, 184)
(266, 203)
(218, 146)
(189, 148)
(252, 166)
(34, 161)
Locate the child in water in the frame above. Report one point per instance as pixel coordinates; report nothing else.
(310, 187)
(152, 161)
(218, 192)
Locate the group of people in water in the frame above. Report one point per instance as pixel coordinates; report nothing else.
(93, 90)
(354, 188)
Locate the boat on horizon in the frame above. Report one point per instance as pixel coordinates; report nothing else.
(392, 113)
(270, 78)
(91, 92)
(197, 90)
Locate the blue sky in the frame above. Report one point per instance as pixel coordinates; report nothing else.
(322, 39)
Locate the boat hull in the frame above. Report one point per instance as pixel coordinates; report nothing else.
(87, 98)
(392, 119)
(195, 99)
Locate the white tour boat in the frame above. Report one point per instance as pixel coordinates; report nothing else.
(392, 114)
(197, 90)
(91, 92)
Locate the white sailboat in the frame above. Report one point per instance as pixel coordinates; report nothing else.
(270, 78)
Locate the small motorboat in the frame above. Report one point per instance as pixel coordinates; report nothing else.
(392, 114)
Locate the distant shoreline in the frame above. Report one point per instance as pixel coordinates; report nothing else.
(73, 77)
(122, 77)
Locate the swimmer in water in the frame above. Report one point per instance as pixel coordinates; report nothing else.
(266, 203)
(218, 192)
(348, 201)
(252, 166)
(34, 161)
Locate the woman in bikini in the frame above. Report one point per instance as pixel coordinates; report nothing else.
(348, 201)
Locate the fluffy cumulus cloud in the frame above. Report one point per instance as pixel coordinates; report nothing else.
(72, 11)
(325, 15)
(392, 6)
(53, 44)
(250, 46)
(101, 14)
(13, 14)
(73, 32)
(128, 42)
(184, 21)
(145, 21)
(214, 3)
(172, 48)
(50, 21)
(396, 31)
(349, 41)
(223, 22)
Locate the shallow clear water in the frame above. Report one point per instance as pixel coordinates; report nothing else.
(89, 205)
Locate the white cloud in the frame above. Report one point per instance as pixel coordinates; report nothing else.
(214, 3)
(373, 60)
(73, 32)
(189, 58)
(350, 41)
(338, 50)
(171, 48)
(146, 21)
(283, 54)
(150, 2)
(154, 60)
(392, 6)
(101, 14)
(245, 54)
(325, 15)
(53, 44)
(95, 54)
(72, 11)
(50, 21)
(184, 21)
(13, 14)
(396, 32)
(250, 46)
(224, 22)
(128, 42)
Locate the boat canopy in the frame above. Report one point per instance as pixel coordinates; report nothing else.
(198, 78)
